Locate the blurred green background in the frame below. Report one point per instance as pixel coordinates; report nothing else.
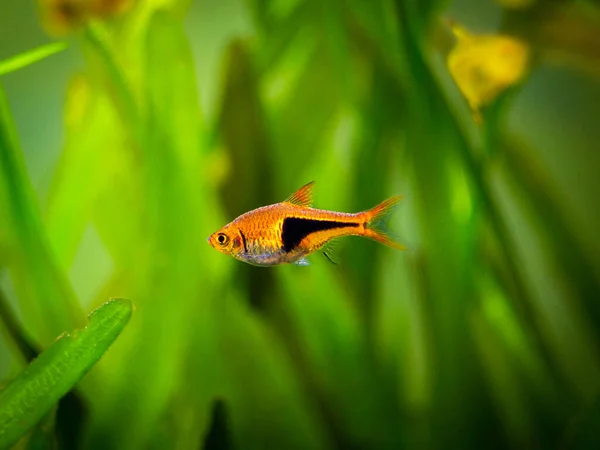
(165, 119)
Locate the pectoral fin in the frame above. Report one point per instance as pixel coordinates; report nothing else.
(330, 250)
(302, 262)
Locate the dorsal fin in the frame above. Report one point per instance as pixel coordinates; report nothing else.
(303, 196)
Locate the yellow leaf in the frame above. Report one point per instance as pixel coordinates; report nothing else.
(484, 66)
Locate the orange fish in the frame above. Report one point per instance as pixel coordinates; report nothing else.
(289, 231)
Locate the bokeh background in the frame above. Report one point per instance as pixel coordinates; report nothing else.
(164, 119)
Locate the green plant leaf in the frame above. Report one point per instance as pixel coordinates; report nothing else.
(48, 302)
(29, 57)
(93, 136)
(35, 390)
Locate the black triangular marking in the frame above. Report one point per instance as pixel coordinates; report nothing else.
(295, 229)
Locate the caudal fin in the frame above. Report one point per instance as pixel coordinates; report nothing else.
(376, 229)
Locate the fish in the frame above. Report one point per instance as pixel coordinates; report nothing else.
(289, 231)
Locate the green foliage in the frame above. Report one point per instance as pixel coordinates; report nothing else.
(485, 332)
(29, 396)
(42, 286)
(24, 59)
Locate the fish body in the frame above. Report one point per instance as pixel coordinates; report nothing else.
(289, 231)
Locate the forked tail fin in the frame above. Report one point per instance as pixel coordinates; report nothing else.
(376, 228)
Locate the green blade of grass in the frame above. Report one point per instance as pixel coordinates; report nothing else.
(168, 167)
(93, 137)
(15, 332)
(582, 432)
(243, 131)
(21, 60)
(48, 303)
(124, 97)
(446, 195)
(33, 392)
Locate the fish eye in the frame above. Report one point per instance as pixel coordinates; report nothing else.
(222, 239)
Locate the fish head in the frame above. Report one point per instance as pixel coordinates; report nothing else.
(227, 240)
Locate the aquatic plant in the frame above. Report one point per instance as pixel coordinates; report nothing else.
(179, 116)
